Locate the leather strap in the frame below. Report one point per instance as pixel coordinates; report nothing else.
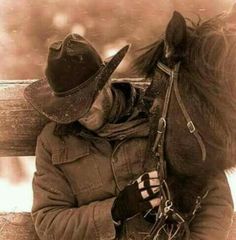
(166, 207)
(190, 124)
(192, 129)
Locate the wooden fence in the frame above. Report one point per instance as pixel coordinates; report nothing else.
(19, 126)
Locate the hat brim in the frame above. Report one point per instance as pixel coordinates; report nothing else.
(69, 108)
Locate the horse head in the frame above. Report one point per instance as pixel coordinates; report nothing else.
(206, 55)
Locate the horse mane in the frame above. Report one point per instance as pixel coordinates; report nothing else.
(208, 72)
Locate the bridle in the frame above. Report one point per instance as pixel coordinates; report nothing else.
(166, 209)
(162, 124)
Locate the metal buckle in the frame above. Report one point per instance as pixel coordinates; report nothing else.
(168, 206)
(197, 205)
(191, 127)
(161, 125)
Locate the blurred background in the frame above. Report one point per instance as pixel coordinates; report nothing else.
(27, 28)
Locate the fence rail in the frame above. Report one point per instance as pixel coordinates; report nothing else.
(19, 226)
(19, 122)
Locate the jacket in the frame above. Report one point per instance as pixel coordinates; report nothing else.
(77, 180)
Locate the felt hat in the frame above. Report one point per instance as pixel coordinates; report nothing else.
(75, 73)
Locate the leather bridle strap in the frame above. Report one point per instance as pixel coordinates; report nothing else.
(190, 125)
(174, 79)
(158, 146)
(166, 208)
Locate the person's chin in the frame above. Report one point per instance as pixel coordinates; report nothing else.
(94, 127)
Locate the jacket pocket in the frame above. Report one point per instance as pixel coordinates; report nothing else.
(78, 165)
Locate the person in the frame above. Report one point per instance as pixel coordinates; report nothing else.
(90, 181)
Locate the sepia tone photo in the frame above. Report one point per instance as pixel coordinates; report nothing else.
(118, 120)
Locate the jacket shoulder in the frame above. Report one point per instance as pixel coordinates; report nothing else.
(48, 130)
(74, 145)
(47, 137)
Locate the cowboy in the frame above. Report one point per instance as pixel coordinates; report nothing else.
(90, 181)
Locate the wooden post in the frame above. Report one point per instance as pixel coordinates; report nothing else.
(17, 226)
(19, 122)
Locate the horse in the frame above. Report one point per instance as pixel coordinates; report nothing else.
(200, 120)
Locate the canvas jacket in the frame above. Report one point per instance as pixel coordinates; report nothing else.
(77, 180)
(78, 177)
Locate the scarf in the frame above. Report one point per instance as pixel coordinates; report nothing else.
(127, 117)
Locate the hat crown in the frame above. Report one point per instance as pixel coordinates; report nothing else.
(71, 62)
(75, 74)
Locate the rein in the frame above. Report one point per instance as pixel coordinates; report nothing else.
(168, 219)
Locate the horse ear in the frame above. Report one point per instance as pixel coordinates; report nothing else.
(175, 38)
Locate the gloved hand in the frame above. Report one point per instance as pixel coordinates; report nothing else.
(139, 196)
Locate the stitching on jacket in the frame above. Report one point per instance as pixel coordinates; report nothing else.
(95, 225)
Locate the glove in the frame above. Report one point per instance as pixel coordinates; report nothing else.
(139, 196)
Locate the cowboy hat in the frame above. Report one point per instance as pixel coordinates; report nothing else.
(75, 73)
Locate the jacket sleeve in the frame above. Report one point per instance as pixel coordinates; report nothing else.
(55, 212)
(214, 218)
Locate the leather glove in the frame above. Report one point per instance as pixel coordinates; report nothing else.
(139, 196)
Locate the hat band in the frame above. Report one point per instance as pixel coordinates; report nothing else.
(77, 88)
